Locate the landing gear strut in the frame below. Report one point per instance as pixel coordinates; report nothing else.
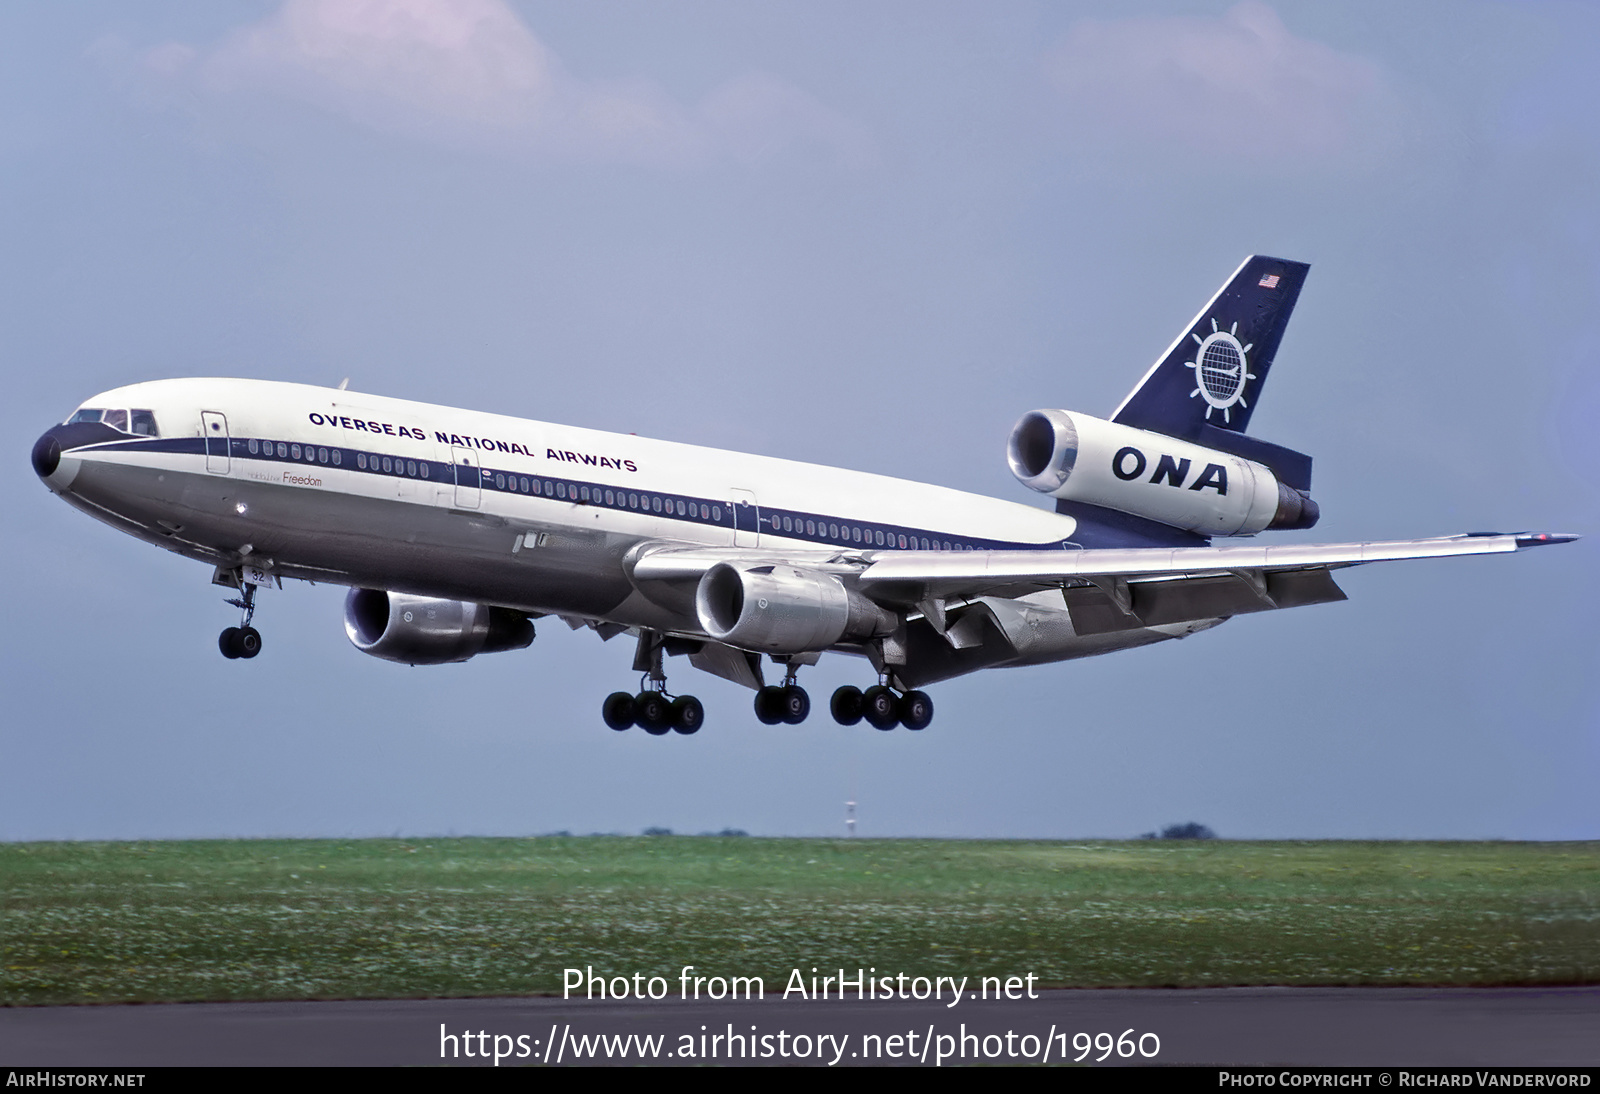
(653, 709)
(244, 640)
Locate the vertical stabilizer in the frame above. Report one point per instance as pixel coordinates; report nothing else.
(1213, 374)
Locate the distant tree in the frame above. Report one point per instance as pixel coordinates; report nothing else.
(1187, 831)
(733, 832)
(655, 830)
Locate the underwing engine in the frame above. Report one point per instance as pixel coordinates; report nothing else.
(420, 630)
(781, 609)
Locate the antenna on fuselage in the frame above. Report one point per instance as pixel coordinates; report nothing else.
(344, 383)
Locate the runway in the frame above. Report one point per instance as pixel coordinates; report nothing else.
(1374, 1027)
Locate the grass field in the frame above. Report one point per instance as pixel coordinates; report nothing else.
(295, 919)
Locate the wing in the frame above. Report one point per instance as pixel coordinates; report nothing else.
(1121, 589)
(1103, 589)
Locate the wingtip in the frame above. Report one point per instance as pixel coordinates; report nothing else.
(1539, 539)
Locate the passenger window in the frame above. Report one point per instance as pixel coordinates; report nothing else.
(524, 483)
(681, 509)
(423, 466)
(361, 460)
(411, 468)
(283, 450)
(716, 513)
(294, 451)
(500, 482)
(253, 446)
(388, 465)
(322, 455)
(144, 424)
(338, 458)
(561, 489)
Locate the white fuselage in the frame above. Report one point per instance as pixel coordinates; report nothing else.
(363, 490)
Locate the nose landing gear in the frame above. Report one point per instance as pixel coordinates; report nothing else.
(244, 640)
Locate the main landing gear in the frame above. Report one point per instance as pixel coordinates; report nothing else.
(652, 710)
(242, 641)
(881, 707)
(787, 704)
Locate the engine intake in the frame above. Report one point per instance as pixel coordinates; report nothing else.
(420, 630)
(1179, 483)
(779, 609)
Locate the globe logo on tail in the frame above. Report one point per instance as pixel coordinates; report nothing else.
(1221, 369)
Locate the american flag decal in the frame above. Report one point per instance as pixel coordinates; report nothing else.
(1269, 282)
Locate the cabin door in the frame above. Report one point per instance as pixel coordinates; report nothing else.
(215, 428)
(746, 518)
(469, 478)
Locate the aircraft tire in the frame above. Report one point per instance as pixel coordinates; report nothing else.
(687, 714)
(770, 705)
(228, 643)
(845, 706)
(248, 642)
(618, 710)
(796, 704)
(879, 708)
(915, 709)
(653, 713)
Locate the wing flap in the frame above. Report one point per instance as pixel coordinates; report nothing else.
(922, 574)
(1094, 610)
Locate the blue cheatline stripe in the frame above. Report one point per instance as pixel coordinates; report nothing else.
(819, 528)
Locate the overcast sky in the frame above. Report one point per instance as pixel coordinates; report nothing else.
(870, 235)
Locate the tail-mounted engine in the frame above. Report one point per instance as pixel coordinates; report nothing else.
(419, 630)
(1178, 483)
(779, 609)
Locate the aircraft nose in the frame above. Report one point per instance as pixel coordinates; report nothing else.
(46, 455)
(52, 457)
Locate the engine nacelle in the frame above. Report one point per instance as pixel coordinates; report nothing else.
(420, 630)
(1080, 458)
(780, 609)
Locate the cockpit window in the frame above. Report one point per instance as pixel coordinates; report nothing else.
(139, 422)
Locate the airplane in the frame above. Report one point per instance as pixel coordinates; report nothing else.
(455, 529)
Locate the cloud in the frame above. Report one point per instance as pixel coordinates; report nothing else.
(471, 72)
(1238, 91)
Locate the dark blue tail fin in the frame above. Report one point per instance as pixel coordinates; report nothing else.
(1212, 375)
